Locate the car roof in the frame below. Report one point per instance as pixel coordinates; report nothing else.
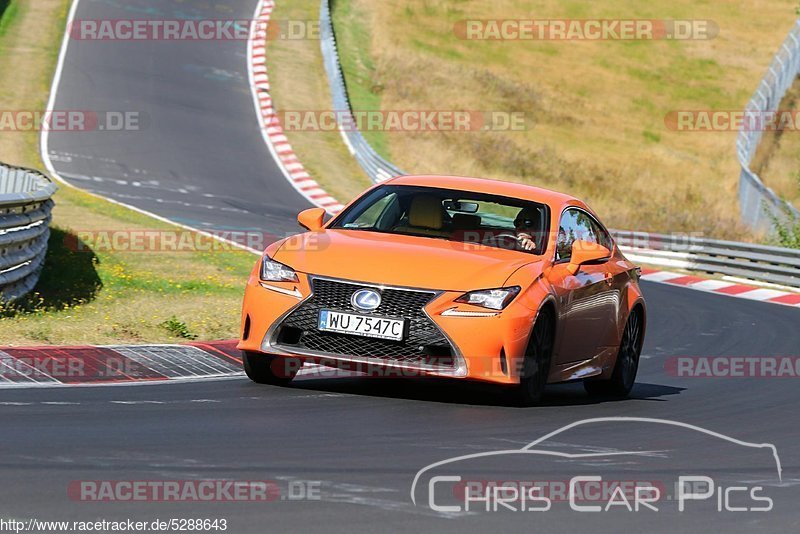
(488, 186)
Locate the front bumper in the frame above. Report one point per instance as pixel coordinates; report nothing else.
(483, 345)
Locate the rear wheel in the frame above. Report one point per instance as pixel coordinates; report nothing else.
(627, 364)
(536, 365)
(268, 369)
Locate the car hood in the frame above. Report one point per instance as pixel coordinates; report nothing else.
(401, 260)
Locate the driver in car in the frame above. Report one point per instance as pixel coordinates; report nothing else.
(525, 225)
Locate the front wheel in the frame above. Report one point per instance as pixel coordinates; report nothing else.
(627, 364)
(536, 365)
(268, 369)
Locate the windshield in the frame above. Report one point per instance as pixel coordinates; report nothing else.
(477, 218)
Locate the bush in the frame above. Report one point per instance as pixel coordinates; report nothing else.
(177, 328)
(787, 228)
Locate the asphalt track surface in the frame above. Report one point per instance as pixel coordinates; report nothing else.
(197, 156)
(361, 441)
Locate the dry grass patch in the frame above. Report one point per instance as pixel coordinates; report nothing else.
(30, 36)
(594, 110)
(298, 83)
(777, 161)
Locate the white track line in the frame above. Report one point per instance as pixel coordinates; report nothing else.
(45, 152)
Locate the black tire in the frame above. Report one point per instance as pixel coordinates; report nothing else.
(627, 364)
(536, 365)
(268, 369)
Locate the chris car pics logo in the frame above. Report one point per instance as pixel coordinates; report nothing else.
(451, 487)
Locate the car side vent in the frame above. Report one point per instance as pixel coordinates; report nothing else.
(246, 329)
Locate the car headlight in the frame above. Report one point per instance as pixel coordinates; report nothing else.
(272, 271)
(494, 299)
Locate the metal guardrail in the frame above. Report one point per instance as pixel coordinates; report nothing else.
(25, 213)
(759, 205)
(760, 263)
(376, 167)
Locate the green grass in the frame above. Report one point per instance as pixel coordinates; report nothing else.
(650, 136)
(87, 296)
(177, 328)
(8, 13)
(68, 279)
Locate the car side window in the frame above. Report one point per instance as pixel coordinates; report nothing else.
(575, 225)
(603, 237)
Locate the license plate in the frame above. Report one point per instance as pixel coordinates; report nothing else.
(362, 325)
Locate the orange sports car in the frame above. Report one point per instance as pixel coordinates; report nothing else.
(454, 277)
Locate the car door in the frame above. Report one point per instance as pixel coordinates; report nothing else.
(588, 300)
(616, 275)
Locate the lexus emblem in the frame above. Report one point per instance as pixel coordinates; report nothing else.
(366, 299)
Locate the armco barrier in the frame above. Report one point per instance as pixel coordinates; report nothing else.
(753, 262)
(376, 167)
(25, 207)
(759, 205)
(761, 263)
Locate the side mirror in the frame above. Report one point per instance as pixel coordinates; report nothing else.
(584, 252)
(311, 219)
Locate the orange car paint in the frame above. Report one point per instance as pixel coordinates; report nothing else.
(587, 335)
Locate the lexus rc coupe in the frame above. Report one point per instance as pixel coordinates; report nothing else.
(452, 277)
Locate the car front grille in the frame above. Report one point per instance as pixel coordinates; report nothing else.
(424, 345)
